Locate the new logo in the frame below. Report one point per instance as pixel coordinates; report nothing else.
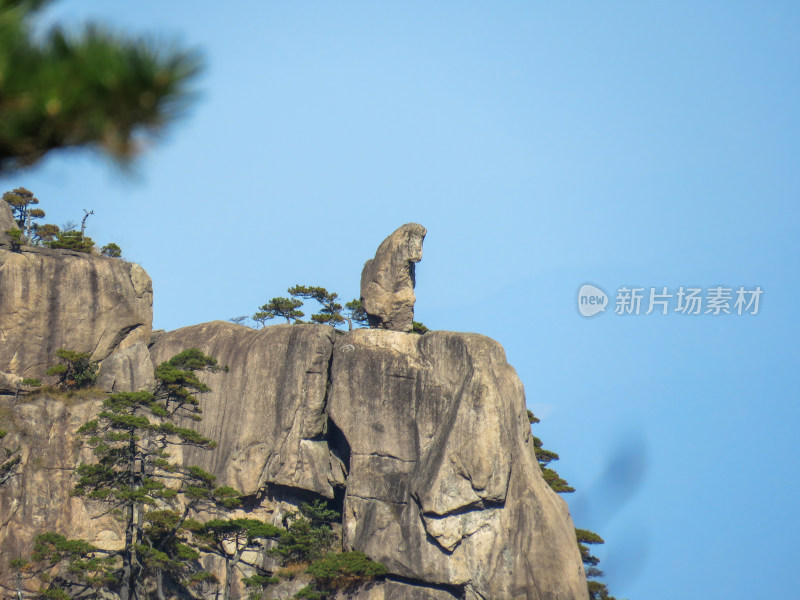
(591, 300)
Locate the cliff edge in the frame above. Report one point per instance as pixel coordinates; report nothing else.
(422, 442)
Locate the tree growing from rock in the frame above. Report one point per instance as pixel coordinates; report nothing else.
(331, 311)
(230, 539)
(355, 313)
(22, 203)
(72, 240)
(69, 568)
(545, 457)
(111, 250)
(286, 308)
(94, 89)
(77, 369)
(597, 589)
(42, 234)
(134, 475)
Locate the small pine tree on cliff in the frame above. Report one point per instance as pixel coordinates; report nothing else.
(597, 590)
(286, 308)
(22, 203)
(134, 476)
(230, 539)
(77, 370)
(545, 457)
(332, 313)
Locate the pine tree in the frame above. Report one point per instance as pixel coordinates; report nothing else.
(331, 311)
(545, 457)
(597, 590)
(77, 369)
(95, 90)
(230, 539)
(279, 307)
(134, 476)
(22, 201)
(355, 313)
(72, 240)
(111, 250)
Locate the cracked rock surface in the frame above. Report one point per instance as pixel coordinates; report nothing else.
(266, 413)
(443, 483)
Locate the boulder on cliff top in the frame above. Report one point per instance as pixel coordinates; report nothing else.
(52, 299)
(387, 281)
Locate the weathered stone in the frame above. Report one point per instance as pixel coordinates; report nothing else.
(267, 412)
(396, 590)
(443, 483)
(38, 498)
(6, 221)
(9, 383)
(128, 370)
(387, 281)
(51, 299)
(428, 433)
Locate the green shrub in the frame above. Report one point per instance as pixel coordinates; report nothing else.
(77, 371)
(16, 239)
(30, 382)
(308, 534)
(311, 593)
(72, 240)
(111, 250)
(336, 571)
(417, 327)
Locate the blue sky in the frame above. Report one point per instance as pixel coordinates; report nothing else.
(544, 146)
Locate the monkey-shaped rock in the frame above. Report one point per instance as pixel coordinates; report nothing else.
(387, 281)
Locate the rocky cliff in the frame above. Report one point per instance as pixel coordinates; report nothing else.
(52, 299)
(421, 441)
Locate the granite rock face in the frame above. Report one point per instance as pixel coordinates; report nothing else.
(6, 221)
(443, 483)
(397, 590)
(127, 370)
(267, 413)
(422, 441)
(38, 497)
(387, 281)
(52, 299)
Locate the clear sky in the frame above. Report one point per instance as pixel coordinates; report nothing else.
(544, 145)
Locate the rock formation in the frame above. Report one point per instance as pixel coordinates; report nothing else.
(387, 281)
(443, 484)
(38, 498)
(6, 221)
(421, 441)
(267, 413)
(51, 299)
